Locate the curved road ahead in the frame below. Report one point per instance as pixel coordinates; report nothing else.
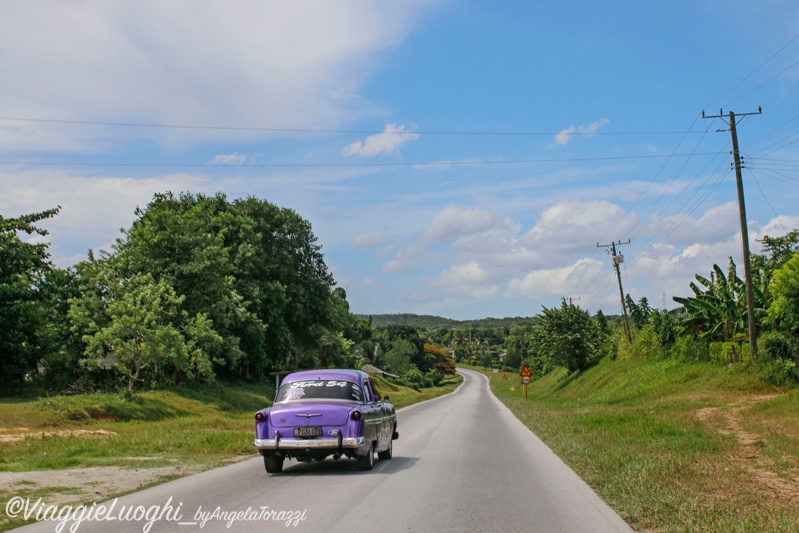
(462, 463)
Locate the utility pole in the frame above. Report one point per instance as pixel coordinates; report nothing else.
(617, 260)
(750, 295)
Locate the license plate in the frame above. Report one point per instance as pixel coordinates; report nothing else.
(310, 431)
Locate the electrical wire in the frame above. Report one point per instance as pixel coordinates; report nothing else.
(329, 131)
(753, 72)
(346, 165)
(754, 177)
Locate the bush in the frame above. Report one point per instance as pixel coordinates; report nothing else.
(645, 345)
(778, 355)
(413, 378)
(690, 348)
(435, 378)
(722, 352)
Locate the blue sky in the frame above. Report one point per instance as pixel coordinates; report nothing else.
(457, 158)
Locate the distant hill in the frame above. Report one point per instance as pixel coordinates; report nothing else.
(434, 322)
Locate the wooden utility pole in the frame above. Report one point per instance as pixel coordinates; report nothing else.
(750, 294)
(617, 260)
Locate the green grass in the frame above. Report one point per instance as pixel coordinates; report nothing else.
(634, 431)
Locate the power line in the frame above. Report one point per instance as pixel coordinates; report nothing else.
(753, 72)
(346, 165)
(767, 202)
(328, 131)
(765, 82)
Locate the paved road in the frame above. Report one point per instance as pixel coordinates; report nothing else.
(462, 463)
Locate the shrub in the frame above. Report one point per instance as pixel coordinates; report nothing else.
(690, 348)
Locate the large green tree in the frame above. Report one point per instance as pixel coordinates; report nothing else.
(566, 336)
(25, 332)
(252, 268)
(784, 311)
(147, 337)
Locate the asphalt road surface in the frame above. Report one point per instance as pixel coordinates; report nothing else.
(462, 463)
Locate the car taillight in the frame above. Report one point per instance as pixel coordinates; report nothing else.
(259, 417)
(356, 415)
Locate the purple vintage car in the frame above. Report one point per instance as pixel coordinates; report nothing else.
(318, 413)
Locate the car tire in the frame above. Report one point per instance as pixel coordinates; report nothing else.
(273, 463)
(367, 462)
(386, 455)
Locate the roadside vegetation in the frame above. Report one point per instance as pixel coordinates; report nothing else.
(153, 356)
(198, 290)
(672, 446)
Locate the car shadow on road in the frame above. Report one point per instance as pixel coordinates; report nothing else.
(347, 467)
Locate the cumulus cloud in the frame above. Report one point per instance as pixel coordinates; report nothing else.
(560, 281)
(371, 240)
(585, 130)
(389, 142)
(93, 209)
(577, 226)
(468, 279)
(715, 224)
(453, 222)
(409, 257)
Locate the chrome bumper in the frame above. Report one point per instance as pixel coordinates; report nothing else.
(276, 444)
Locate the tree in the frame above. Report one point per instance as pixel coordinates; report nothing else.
(566, 336)
(443, 362)
(253, 268)
(25, 335)
(148, 336)
(784, 310)
(399, 357)
(778, 251)
(390, 334)
(639, 313)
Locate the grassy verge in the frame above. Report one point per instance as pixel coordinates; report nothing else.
(194, 428)
(672, 446)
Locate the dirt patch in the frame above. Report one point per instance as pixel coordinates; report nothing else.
(88, 485)
(746, 453)
(17, 434)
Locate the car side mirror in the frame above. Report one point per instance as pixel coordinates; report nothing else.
(385, 398)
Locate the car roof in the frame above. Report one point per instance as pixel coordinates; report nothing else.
(355, 376)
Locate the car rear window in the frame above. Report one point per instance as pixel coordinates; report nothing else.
(319, 389)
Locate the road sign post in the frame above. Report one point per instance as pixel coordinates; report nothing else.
(526, 376)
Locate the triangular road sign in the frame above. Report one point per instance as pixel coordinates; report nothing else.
(526, 372)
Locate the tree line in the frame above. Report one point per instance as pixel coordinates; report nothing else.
(710, 326)
(198, 288)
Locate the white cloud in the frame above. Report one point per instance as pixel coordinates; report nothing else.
(466, 280)
(93, 209)
(586, 130)
(577, 226)
(371, 240)
(410, 257)
(269, 64)
(229, 159)
(560, 281)
(389, 142)
(453, 222)
(717, 223)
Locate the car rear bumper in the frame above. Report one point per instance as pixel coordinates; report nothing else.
(277, 444)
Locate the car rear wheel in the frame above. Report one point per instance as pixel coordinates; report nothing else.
(385, 455)
(273, 463)
(367, 462)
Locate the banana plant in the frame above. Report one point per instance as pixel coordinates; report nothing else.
(718, 310)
